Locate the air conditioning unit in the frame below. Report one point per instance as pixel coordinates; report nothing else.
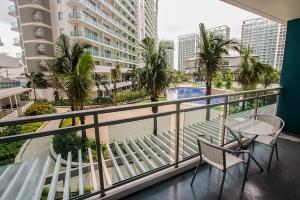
(39, 33)
(37, 16)
(41, 49)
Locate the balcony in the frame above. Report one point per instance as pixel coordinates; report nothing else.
(134, 148)
(17, 41)
(14, 26)
(12, 10)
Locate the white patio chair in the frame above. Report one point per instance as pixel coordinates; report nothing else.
(220, 158)
(270, 140)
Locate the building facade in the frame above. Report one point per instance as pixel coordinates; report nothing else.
(170, 48)
(266, 38)
(222, 31)
(187, 48)
(113, 28)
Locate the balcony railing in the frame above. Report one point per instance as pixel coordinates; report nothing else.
(131, 142)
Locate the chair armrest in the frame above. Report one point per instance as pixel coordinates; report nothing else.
(237, 151)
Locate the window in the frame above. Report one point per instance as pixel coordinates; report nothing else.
(60, 16)
(61, 31)
(58, 1)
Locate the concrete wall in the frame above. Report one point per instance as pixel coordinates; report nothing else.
(289, 107)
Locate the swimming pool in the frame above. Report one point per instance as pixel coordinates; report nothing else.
(188, 92)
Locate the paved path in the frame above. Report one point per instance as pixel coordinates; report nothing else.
(39, 147)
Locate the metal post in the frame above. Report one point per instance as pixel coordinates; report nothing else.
(99, 155)
(256, 103)
(223, 138)
(177, 134)
(11, 106)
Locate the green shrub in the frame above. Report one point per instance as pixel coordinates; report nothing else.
(8, 152)
(40, 108)
(103, 100)
(130, 96)
(218, 80)
(62, 102)
(228, 80)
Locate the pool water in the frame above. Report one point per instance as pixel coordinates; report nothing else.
(188, 92)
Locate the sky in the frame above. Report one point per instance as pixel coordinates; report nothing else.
(179, 17)
(175, 17)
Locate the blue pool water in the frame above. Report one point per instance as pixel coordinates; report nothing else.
(188, 92)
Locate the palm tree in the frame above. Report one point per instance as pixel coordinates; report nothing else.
(250, 70)
(67, 57)
(212, 48)
(135, 77)
(154, 75)
(269, 76)
(101, 80)
(115, 76)
(36, 80)
(72, 72)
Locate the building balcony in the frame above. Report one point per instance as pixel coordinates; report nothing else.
(14, 26)
(77, 16)
(12, 10)
(135, 148)
(17, 41)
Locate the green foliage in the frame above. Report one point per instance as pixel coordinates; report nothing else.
(130, 96)
(8, 152)
(154, 76)
(212, 49)
(102, 100)
(228, 79)
(269, 76)
(178, 76)
(250, 70)
(40, 108)
(218, 80)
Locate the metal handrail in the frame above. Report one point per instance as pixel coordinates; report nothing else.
(261, 93)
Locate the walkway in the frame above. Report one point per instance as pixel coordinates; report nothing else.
(39, 147)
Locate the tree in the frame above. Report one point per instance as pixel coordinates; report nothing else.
(269, 76)
(72, 71)
(101, 80)
(36, 80)
(115, 76)
(228, 79)
(212, 48)
(154, 75)
(135, 77)
(250, 70)
(66, 59)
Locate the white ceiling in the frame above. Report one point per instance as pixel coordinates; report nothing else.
(277, 10)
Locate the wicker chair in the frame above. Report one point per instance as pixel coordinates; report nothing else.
(220, 158)
(270, 140)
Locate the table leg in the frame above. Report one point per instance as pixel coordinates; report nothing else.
(258, 165)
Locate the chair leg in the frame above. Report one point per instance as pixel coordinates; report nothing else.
(222, 185)
(271, 156)
(196, 171)
(276, 151)
(253, 145)
(209, 169)
(246, 173)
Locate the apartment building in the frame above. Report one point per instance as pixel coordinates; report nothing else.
(187, 48)
(267, 40)
(170, 48)
(222, 31)
(113, 28)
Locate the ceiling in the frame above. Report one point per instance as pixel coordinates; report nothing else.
(277, 10)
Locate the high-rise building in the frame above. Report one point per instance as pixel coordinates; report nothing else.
(187, 48)
(266, 38)
(113, 28)
(169, 51)
(222, 31)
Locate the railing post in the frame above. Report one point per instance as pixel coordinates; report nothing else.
(99, 155)
(225, 111)
(177, 133)
(256, 103)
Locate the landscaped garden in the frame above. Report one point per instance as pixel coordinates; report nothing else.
(8, 152)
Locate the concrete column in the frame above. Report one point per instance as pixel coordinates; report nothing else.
(16, 100)
(288, 108)
(10, 101)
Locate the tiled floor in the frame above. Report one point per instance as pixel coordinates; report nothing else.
(282, 183)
